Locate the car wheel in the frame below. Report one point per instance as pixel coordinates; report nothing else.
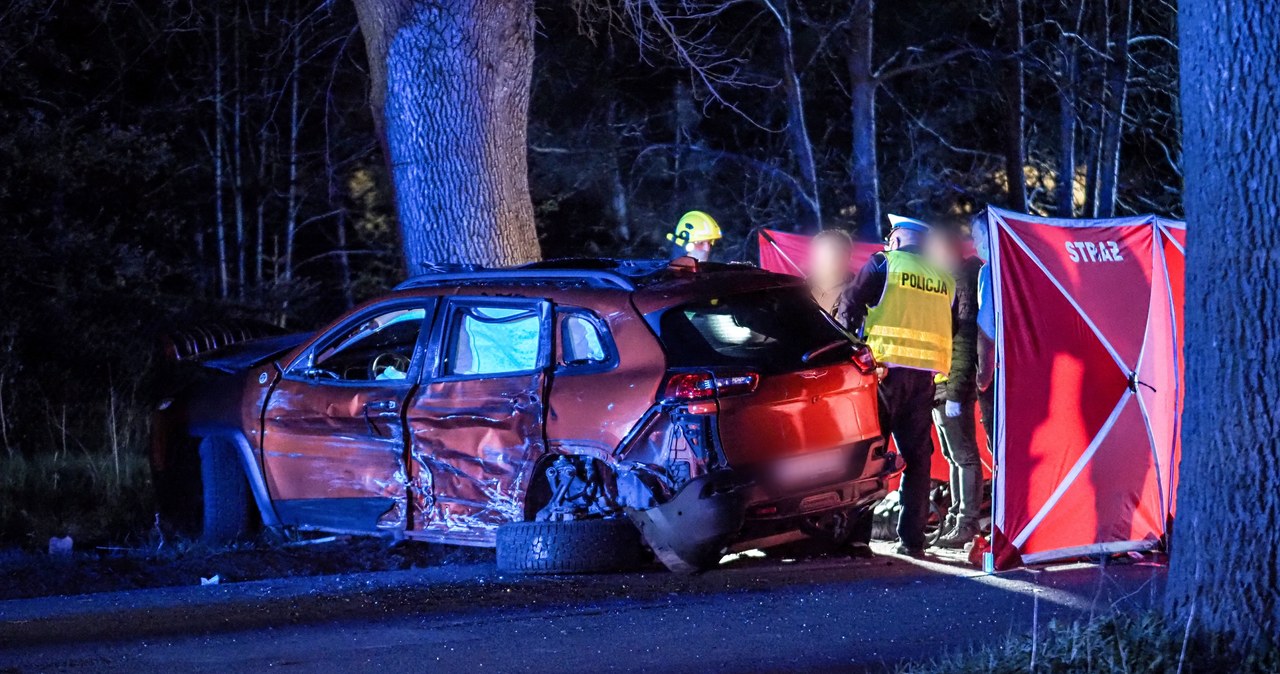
(226, 493)
(933, 528)
(837, 529)
(574, 546)
(939, 504)
(178, 497)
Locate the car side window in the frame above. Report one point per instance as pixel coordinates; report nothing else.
(493, 340)
(380, 348)
(581, 341)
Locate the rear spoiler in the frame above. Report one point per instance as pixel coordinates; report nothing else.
(191, 343)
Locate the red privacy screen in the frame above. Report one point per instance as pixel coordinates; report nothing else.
(1088, 385)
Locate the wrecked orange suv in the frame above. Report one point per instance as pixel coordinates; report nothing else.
(573, 413)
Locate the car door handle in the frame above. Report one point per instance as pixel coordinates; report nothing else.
(384, 408)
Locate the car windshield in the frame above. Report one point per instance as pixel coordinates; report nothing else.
(768, 330)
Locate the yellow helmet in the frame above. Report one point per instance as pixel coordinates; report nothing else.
(694, 227)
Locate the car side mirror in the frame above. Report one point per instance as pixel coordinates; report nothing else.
(317, 373)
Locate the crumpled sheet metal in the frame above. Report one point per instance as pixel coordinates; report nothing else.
(669, 451)
(473, 445)
(320, 447)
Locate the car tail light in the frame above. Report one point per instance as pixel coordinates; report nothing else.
(694, 386)
(691, 386)
(864, 360)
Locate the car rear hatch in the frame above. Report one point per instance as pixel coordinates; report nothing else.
(791, 389)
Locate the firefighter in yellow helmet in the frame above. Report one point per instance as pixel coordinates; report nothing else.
(695, 235)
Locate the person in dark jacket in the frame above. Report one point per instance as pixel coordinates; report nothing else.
(828, 274)
(828, 277)
(956, 392)
(902, 305)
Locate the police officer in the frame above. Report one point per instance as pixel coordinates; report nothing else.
(902, 306)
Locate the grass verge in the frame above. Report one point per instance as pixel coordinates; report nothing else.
(94, 497)
(1114, 644)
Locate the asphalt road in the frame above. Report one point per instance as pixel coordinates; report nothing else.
(751, 615)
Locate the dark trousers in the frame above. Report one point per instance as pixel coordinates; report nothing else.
(906, 398)
(987, 406)
(958, 437)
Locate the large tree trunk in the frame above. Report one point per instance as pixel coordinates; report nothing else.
(1015, 146)
(1226, 544)
(1116, 91)
(450, 88)
(863, 167)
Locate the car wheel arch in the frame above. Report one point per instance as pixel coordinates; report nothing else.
(537, 492)
(252, 468)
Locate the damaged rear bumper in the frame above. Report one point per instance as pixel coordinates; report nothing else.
(730, 508)
(689, 531)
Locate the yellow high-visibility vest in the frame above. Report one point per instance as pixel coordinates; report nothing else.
(911, 326)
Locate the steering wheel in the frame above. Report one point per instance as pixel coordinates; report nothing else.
(386, 360)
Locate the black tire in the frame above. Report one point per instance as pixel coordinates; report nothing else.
(939, 504)
(226, 493)
(836, 530)
(577, 546)
(933, 528)
(178, 497)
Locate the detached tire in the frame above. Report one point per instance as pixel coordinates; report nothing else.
(576, 546)
(226, 493)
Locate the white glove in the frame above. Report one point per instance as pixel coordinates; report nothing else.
(953, 409)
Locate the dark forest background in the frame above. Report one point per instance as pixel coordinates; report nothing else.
(172, 163)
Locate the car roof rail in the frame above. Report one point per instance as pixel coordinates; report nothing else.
(603, 272)
(596, 277)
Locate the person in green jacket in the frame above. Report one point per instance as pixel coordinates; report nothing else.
(956, 391)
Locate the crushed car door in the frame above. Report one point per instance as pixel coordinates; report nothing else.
(333, 433)
(476, 424)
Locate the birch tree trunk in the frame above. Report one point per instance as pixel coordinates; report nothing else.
(1091, 168)
(1115, 93)
(237, 166)
(262, 194)
(1069, 52)
(294, 205)
(1015, 146)
(450, 89)
(690, 194)
(863, 165)
(618, 202)
(797, 128)
(1226, 546)
(219, 152)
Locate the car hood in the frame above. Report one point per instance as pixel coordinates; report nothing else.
(244, 355)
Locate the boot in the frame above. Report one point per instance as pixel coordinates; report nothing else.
(960, 536)
(948, 525)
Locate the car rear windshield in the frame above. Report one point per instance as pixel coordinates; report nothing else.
(769, 331)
